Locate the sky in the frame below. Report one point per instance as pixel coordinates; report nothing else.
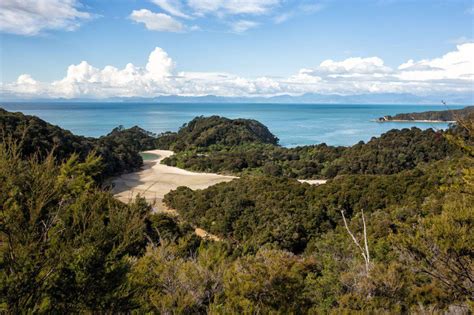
(146, 48)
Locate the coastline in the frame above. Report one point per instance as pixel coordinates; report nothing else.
(155, 180)
(416, 121)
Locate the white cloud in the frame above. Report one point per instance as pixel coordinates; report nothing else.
(239, 14)
(454, 65)
(173, 7)
(30, 17)
(450, 73)
(85, 80)
(233, 6)
(159, 65)
(25, 84)
(353, 66)
(243, 25)
(156, 21)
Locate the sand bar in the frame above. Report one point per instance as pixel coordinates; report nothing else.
(155, 180)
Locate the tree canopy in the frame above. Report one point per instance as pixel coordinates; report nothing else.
(68, 246)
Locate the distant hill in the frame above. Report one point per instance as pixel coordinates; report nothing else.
(307, 98)
(442, 115)
(215, 130)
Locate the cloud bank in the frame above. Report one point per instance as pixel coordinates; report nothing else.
(450, 73)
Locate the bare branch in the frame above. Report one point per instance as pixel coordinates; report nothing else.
(364, 253)
(365, 237)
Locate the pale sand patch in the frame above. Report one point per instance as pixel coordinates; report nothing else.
(313, 181)
(155, 180)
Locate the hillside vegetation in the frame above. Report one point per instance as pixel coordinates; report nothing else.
(390, 153)
(391, 233)
(441, 115)
(214, 130)
(119, 150)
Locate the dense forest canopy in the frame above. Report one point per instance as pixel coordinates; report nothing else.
(214, 130)
(390, 153)
(119, 150)
(68, 246)
(442, 115)
(259, 210)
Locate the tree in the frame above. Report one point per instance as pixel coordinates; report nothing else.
(65, 243)
(363, 251)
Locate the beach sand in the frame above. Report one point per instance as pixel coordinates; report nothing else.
(313, 181)
(155, 180)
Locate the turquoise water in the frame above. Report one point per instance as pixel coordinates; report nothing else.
(148, 156)
(293, 124)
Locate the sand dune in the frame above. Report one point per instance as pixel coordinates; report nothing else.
(155, 180)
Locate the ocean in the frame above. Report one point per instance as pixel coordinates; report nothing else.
(293, 124)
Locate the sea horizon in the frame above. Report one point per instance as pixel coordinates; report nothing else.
(294, 124)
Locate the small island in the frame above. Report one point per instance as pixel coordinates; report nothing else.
(450, 115)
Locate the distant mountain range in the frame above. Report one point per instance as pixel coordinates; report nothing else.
(309, 98)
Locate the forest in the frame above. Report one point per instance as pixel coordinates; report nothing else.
(390, 232)
(390, 153)
(436, 115)
(119, 150)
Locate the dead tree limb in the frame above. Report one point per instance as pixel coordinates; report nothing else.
(364, 252)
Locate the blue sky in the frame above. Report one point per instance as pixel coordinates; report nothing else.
(257, 47)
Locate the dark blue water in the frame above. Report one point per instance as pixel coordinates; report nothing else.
(294, 124)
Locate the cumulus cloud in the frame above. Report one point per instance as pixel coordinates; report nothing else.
(30, 17)
(450, 73)
(25, 85)
(156, 21)
(454, 65)
(353, 66)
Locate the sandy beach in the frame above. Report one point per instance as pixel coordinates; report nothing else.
(155, 180)
(313, 181)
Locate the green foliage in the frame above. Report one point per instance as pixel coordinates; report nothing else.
(392, 152)
(167, 283)
(65, 244)
(135, 137)
(256, 210)
(119, 150)
(215, 130)
(76, 177)
(255, 158)
(271, 282)
(443, 115)
(440, 245)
